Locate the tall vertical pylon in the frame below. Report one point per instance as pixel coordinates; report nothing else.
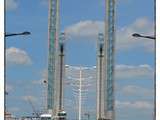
(105, 66)
(101, 78)
(110, 52)
(53, 30)
(56, 66)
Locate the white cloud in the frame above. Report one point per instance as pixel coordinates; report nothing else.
(142, 105)
(17, 56)
(86, 28)
(129, 71)
(29, 98)
(122, 72)
(132, 90)
(124, 39)
(11, 4)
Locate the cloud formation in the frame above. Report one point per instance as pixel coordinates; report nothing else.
(124, 40)
(17, 56)
(11, 4)
(130, 71)
(86, 28)
(141, 105)
(132, 90)
(122, 71)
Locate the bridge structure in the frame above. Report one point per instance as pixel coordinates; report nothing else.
(105, 63)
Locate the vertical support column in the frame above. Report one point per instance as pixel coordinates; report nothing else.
(61, 71)
(110, 48)
(100, 78)
(60, 113)
(53, 31)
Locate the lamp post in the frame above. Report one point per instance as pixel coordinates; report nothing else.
(9, 35)
(143, 36)
(153, 38)
(15, 34)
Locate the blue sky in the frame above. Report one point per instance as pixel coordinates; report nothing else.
(82, 20)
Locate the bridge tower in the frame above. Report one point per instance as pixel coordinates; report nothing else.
(53, 33)
(105, 75)
(56, 65)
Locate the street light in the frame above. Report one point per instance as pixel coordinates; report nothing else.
(154, 38)
(9, 35)
(143, 36)
(14, 34)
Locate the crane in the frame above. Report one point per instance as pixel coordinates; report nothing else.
(33, 108)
